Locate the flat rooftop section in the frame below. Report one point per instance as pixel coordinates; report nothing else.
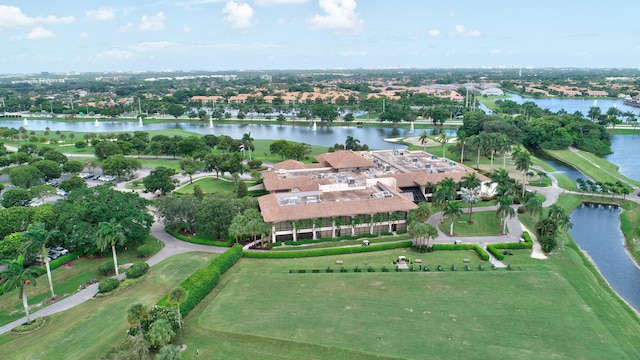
(404, 161)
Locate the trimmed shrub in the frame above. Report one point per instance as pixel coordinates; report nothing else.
(144, 250)
(106, 268)
(475, 247)
(54, 264)
(138, 269)
(202, 281)
(324, 252)
(107, 285)
(493, 249)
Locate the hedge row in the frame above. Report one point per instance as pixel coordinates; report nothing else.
(480, 251)
(199, 240)
(324, 252)
(202, 281)
(496, 249)
(137, 269)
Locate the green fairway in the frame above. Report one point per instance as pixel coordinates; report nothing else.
(537, 311)
(89, 330)
(485, 223)
(592, 166)
(66, 281)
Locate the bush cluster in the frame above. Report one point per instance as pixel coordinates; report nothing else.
(137, 269)
(144, 250)
(54, 264)
(106, 268)
(202, 281)
(107, 285)
(324, 252)
(496, 249)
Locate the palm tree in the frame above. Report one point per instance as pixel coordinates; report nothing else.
(470, 196)
(110, 234)
(461, 139)
(533, 204)
(38, 237)
(503, 181)
(443, 139)
(351, 143)
(523, 163)
(424, 139)
(451, 210)
(247, 141)
(478, 142)
(470, 180)
(177, 296)
(136, 314)
(505, 210)
(424, 211)
(421, 231)
(15, 276)
(445, 190)
(560, 217)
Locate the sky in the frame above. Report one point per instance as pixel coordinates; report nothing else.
(217, 35)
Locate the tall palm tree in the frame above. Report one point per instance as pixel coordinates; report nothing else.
(503, 181)
(110, 234)
(247, 141)
(177, 296)
(462, 140)
(38, 237)
(424, 139)
(15, 276)
(560, 217)
(505, 210)
(523, 163)
(470, 196)
(533, 204)
(443, 139)
(451, 210)
(470, 180)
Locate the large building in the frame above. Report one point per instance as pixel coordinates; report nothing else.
(351, 193)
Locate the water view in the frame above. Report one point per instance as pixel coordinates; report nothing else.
(596, 229)
(571, 105)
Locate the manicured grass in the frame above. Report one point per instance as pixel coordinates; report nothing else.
(89, 330)
(534, 312)
(208, 185)
(154, 163)
(65, 282)
(485, 223)
(331, 244)
(592, 166)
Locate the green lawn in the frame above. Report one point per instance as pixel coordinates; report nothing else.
(485, 223)
(208, 185)
(66, 281)
(89, 330)
(602, 171)
(260, 311)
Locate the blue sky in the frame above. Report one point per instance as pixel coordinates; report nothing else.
(74, 35)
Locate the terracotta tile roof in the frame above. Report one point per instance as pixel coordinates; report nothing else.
(345, 159)
(272, 211)
(273, 182)
(289, 165)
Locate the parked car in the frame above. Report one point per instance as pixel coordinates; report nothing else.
(53, 183)
(61, 192)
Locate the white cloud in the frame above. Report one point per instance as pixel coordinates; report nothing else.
(152, 23)
(278, 2)
(239, 16)
(83, 35)
(40, 33)
(461, 31)
(147, 23)
(340, 16)
(101, 14)
(434, 32)
(11, 17)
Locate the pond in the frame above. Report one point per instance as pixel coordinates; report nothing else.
(322, 136)
(596, 229)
